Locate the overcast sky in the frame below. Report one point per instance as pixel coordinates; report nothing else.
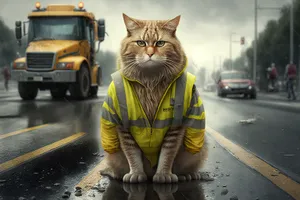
(204, 28)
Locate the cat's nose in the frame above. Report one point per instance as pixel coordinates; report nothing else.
(150, 54)
(150, 51)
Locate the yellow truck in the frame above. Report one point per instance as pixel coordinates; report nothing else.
(62, 43)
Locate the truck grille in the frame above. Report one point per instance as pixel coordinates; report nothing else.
(39, 61)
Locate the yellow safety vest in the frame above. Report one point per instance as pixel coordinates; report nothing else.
(179, 106)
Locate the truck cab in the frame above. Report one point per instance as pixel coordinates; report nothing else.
(61, 50)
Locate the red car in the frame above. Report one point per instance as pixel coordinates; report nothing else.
(236, 82)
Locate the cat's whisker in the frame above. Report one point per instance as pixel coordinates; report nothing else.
(129, 62)
(132, 65)
(168, 65)
(171, 61)
(128, 56)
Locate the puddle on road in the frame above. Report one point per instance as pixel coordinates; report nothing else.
(116, 190)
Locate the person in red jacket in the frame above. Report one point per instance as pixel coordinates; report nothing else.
(273, 75)
(6, 75)
(291, 75)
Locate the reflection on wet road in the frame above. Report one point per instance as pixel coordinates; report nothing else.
(117, 190)
(48, 147)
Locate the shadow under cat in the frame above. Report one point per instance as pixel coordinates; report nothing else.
(117, 190)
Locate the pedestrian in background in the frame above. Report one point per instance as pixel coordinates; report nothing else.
(268, 78)
(291, 75)
(273, 75)
(6, 75)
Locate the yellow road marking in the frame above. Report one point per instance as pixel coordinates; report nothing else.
(22, 131)
(91, 179)
(34, 154)
(285, 183)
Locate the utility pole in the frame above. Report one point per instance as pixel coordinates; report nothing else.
(255, 42)
(220, 63)
(230, 49)
(299, 69)
(215, 69)
(292, 32)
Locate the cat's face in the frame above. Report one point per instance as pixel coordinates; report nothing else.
(151, 44)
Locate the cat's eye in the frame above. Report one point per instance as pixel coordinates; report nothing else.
(160, 43)
(141, 43)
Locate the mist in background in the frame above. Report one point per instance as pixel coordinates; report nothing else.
(203, 30)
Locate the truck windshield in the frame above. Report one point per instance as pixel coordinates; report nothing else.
(234, 76)
(55, 28)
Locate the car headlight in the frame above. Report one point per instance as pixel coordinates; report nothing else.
(226, 87)
(250, 87)
(19, 65)
(65, 65)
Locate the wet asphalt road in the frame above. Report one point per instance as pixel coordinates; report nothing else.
(274, 136)
(47, 176)
(54, 165)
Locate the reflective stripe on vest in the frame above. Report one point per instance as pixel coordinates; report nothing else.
(178, 104)
(179, 100)
(121, 96)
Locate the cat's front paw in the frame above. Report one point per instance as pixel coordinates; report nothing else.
(190, 176)
(137, 177)
(165, 178)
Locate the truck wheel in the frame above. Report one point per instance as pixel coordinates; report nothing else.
(80, 90)
(27, 91)
(94, 91)
(58, 93)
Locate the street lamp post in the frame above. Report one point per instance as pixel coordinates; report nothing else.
(230, 49)
(292, 33)
(220, 60)
(299, 68)
(255, 42)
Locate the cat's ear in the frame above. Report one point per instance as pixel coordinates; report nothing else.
(172, 24)
(131, 24)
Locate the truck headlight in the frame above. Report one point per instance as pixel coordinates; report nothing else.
(19, 65)
(65, 65)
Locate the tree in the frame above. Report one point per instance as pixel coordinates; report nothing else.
(227, 64)
(107, 60)
(216, 75)
(273, 44)
(7, 45)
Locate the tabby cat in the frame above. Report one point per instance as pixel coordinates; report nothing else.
(167, 61)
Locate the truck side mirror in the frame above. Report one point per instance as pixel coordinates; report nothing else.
(101, 29)
(18, 30)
